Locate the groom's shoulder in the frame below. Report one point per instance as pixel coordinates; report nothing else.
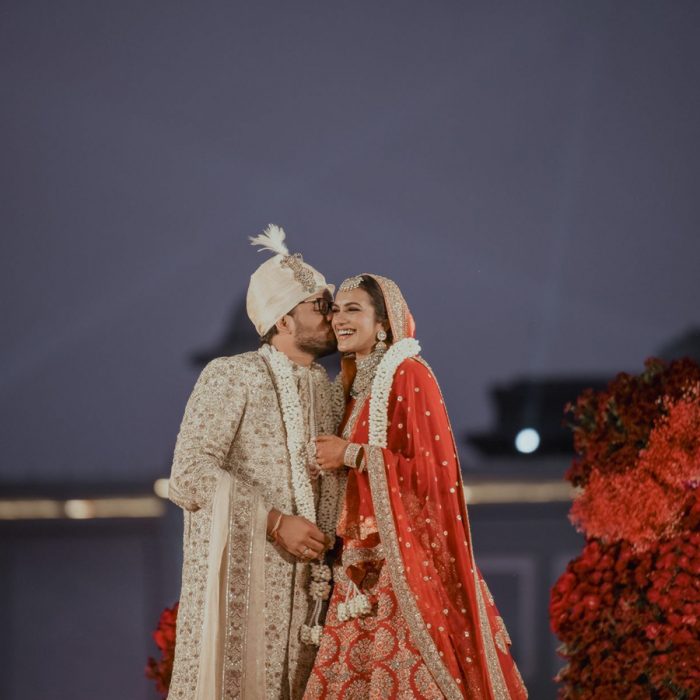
(228, 365)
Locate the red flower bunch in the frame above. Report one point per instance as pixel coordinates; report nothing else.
(649, 499)
(629, 621)
(672, 454)
(627, 507)
(164, 635)
(638, 462)
(611, 427)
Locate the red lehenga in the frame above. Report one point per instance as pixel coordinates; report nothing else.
(434, 630)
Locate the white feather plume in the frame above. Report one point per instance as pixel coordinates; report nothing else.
(272, 239)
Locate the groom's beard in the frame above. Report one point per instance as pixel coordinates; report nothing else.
(317, 343)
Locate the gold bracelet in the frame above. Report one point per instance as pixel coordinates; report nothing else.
(273, 533)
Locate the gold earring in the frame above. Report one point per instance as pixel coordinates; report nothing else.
(381, 337)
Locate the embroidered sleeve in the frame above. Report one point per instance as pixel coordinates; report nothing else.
(337, 400)
(208, 427)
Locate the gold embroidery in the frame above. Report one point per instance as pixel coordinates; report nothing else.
(502, 637)
(302, 274)
(495, 671)
(372, 655)
(395, 305)
(352, 451)
(237, 591)
(357, 407)
(487, 592)
(498, 683)
(419, 634)
(353, 555)
(233, 422)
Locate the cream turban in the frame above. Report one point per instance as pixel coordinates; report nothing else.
(280, 283)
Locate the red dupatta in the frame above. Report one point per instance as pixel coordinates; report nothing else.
(411, 500)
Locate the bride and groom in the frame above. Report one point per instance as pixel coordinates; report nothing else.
(327, 551)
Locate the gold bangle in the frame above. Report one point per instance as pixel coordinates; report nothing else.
(273, 533)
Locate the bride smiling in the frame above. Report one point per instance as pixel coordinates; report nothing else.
(410, 615)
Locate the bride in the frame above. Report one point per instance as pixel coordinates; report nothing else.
(410, 615)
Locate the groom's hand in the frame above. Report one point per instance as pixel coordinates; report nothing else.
(300, 537)
(330, 451)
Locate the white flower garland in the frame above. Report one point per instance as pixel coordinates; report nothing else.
(381, 388)
(293, 419)
(356, 603)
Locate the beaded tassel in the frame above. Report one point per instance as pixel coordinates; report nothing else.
(320, 589)
(356, 604)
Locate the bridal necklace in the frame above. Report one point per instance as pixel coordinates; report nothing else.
(366, 369)
(361, 388)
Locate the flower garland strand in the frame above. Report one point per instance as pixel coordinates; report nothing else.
(293, 419)
(292, 416)
(381, 388)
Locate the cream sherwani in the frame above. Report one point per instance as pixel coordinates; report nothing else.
(233, 423)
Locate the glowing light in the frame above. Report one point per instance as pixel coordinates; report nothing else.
(527, 440)
(79, 509)
(160, 488)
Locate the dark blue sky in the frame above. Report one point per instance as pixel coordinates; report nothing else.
(527, 172)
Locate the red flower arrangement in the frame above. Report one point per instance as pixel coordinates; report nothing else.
(164, 635)
(628, 608)
(629, 621)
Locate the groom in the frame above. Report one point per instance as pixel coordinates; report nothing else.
(243, 474)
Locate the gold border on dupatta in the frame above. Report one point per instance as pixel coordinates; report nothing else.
(387, 534)
(498, 682)
(396, 305)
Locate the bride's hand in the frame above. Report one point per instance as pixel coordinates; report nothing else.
(330, 451)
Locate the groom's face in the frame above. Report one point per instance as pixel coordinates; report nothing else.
(312, 328)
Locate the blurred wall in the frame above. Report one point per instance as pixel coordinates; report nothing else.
(525, 171)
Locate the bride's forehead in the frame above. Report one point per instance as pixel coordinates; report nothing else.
(357, 295)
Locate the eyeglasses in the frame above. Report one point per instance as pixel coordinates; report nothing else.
(321, 305)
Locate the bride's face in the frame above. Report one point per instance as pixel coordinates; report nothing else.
(355, 322)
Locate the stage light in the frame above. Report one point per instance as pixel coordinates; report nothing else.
(527, 440)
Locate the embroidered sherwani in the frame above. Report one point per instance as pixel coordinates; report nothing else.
(233, 423)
